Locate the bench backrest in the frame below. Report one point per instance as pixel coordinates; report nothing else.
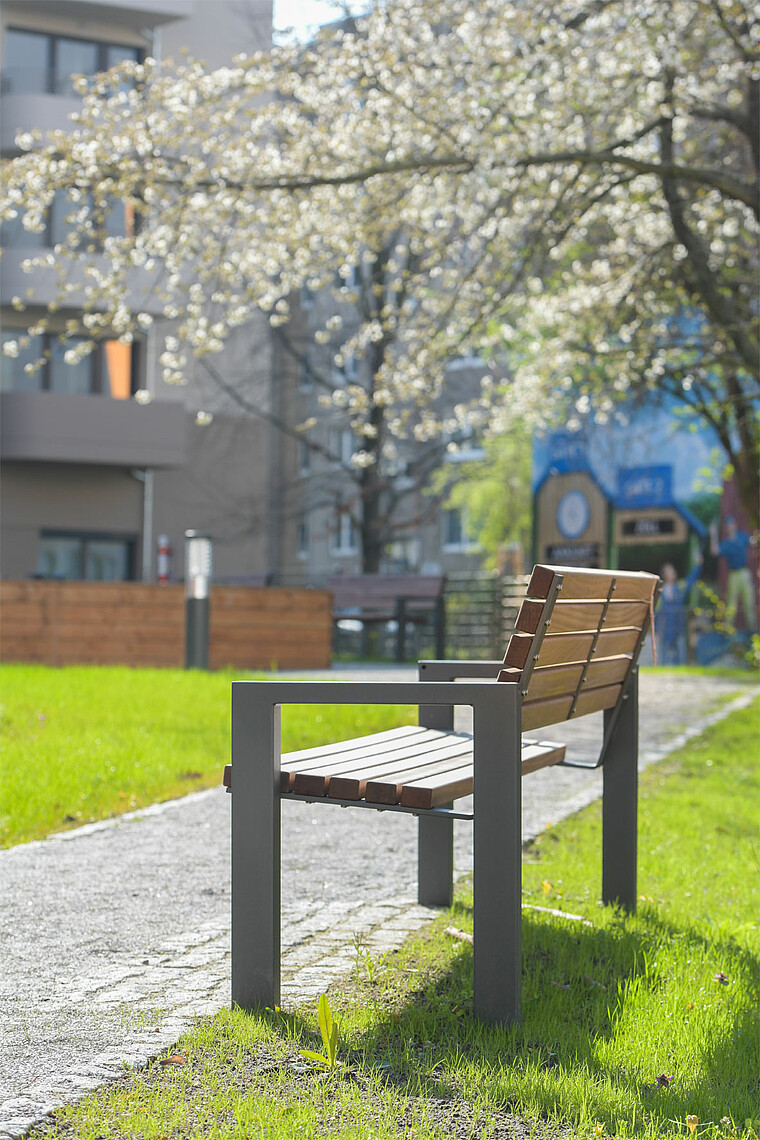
(578, 635)
(383, 590)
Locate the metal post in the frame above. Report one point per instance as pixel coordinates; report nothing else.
(400, 630)
(440, 626)
(435, 837)
(255, 848)
(620, 801)
(497, 855)
(198, 562)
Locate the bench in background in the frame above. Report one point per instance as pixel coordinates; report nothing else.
(374, 599)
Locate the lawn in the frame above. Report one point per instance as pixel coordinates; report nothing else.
(634, 1026)
(85, 743)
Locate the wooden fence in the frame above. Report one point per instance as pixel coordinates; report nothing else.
(127, 623)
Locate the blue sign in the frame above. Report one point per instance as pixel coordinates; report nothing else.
(568, 451)
(644, 487)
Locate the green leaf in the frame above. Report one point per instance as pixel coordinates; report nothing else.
(332, 1051)
(307, 1053)
(325, 1019)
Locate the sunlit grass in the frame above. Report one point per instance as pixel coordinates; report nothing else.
(85, 743)
(631, 1024)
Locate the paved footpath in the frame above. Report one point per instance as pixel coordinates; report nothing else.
(116, 936)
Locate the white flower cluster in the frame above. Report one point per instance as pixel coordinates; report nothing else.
(568, 187)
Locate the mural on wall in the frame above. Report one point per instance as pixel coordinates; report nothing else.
(659, 476)
(647, 493)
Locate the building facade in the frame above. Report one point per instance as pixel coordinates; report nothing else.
(93, 478)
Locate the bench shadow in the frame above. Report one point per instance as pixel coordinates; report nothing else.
(569, 971)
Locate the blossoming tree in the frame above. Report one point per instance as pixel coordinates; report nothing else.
(576, 182)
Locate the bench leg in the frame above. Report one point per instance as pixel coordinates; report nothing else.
(498, 859)
(620, 802)
(435, 867)
(255, 851)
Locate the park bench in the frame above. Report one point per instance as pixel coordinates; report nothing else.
(374, 599)
(574, 652)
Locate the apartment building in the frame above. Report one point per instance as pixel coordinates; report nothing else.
(91, 477)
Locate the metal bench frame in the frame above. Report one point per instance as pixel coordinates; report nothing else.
(496, 816)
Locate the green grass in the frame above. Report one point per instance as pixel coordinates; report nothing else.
(670, 993)
(85, 743)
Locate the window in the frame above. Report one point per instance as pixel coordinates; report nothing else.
(39, 63)
(13, 374)
(304, 457)
(456, 536)
(306, 298)
(112, 368)
(117, 219)
(305, 378)
(77, 379)
(302, 537)
(342, 445)
(92, 558)
(348, 370)
(464, 445)
(345, 538)
(348, 277)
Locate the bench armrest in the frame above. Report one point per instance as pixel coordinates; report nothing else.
(286, 692)
(449, 670)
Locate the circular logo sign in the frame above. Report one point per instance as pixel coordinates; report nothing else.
(573, 514)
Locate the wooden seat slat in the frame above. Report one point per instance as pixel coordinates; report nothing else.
(406, 731)
(443, 788)
(391, 743)
(387, 789)
(349, 785)
(315, 782)
(580, 584)
(437, 790)
(388, 776)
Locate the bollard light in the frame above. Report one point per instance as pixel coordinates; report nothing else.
(198, 569)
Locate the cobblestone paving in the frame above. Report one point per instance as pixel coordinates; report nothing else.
(116, 936)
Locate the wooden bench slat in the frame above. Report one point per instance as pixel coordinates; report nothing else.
(580, 584)
(540, 754)
(606, 671)
(351, 786)
(441, 789)
(535, 755)
(594, 700)
(556, 680)
(549, 710)
(444, 787)
(307, 781)
(354, 753)
(557, 648)
(404, 730)
(582, 617)
(387, 789)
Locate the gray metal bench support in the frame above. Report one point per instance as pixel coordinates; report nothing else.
(435, 843)
(255, 849)
(256, 829)
(620, 799)
(497, 860)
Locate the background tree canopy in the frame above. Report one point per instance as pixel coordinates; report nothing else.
(574, 186)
